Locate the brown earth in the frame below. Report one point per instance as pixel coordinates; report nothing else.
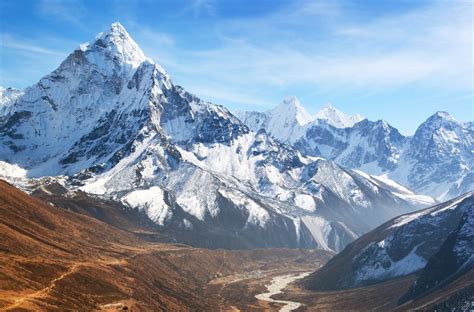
(52, 259)
(55, 259)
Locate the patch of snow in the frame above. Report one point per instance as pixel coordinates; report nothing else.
(8, 170)
(402, 220)
(305, 202)
(383, 266)
(151, 201)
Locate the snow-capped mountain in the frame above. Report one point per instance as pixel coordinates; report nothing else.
(437, 240)
(437, 161)
(336, 118)
(284, 122)
(68, 103)
(115, 125)
(370, 146)
(289, 120)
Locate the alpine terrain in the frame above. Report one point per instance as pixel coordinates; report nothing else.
(110, 122)
(437, 161)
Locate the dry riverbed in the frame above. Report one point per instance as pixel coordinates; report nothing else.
(276, 286)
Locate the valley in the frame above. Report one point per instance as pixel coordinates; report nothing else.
(276, 286)
(56, 262)
(55, 259)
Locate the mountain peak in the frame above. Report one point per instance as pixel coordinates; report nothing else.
(443, 115)
(116, 27)
(7, 98)
(116, 31)
(382, 123)
(438, 119)
(336, 118)
(329, 107)
(292, 108)
(120, 45)
(292, 101)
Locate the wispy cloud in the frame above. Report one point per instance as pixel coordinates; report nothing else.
(23, 61)
(8, 42)
(156, 38)
(199, 7)
(215, 92)
(429, 46)
(71, 11)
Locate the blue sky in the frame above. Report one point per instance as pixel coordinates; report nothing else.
(395, 60)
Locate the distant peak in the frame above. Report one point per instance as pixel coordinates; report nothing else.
(292, 108)
(329, 107)
(443, 115)
(8, 89)
(439, 118)
(435, 121)
(116, 30)
(291, 100)
(289, 103)
(382, 123)
(336, 118)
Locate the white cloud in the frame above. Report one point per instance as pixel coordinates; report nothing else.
(71, 11)
(10, 43)
(156, 38)
(429, 46)
(217, 93)
(199, 7)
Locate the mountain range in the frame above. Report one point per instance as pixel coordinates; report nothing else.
(436, 161)
(110, 122)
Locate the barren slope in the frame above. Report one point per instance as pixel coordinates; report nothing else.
(57, 260)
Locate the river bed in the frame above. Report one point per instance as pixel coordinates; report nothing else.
(277, 285)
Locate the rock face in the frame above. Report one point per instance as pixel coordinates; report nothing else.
(113, 123)
(436, 242)
(437, 161)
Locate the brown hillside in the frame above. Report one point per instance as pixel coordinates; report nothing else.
(52, 259)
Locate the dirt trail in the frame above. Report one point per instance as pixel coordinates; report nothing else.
(45, 291)
(75, 266)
